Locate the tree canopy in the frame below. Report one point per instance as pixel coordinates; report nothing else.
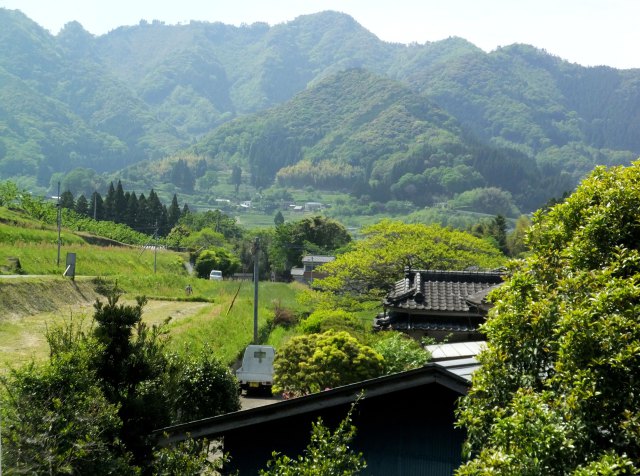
(559, 387)
(375, 262)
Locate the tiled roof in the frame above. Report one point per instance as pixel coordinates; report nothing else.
(317, 259)
(441, 290)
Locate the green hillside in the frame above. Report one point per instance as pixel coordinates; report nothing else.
(517, 119)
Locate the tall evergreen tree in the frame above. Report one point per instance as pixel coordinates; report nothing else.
(110, 203)
(67, 200)
(173, 212)
(131, 217)
(144, 219)
(120, 204)
(82, 205)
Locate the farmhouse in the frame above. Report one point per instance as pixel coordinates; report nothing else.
(444, 305)
(306, 274)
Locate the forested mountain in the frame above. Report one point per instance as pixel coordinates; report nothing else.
(517, 118)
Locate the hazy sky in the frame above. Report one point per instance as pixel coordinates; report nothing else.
(589, 32)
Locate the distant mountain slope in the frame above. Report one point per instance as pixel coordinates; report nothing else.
(147, 91)
(363, 133)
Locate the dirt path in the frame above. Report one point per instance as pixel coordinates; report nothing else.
(23, 339)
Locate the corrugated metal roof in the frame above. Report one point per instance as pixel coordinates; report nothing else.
(455, 350)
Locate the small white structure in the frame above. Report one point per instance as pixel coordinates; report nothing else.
(312, 206)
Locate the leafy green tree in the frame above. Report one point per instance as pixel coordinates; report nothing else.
(328, 454)
(55, 418)
(400, 352)
(216, 258)
(9, 193)
(558, 391)
(204, 387)
(311, 363)
(378, 260)
(516, 240)
(322, 320)
(188, 458)
(318, 235)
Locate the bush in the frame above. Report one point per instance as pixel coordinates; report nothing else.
(204, 387)
(216, 258)
(323, 320)
(400, 352)
(311, 363)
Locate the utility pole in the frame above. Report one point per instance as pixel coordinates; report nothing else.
(59, 224)
(155, 249)
(256, 274)
(95, 205)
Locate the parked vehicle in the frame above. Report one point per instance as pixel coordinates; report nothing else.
(256, 372)
(215, 275)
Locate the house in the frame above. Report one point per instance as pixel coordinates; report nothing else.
(405, 423)
(313, 206)
(444, 305)
(306, 274)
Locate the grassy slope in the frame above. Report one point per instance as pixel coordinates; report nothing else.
(30, 304)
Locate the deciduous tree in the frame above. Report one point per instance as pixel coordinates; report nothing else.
(559, 387)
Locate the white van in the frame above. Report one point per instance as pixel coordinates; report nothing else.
(216, 275)
(257, 368)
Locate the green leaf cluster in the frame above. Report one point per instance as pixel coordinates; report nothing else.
(314, 362)
(328, 453)
(557, 392)
(376, 261)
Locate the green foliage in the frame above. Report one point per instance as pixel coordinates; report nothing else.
(216, 258)
(328, 453)
(558, 388)
(400, 352)
(55, 420)
(314, 362)
(322, 320)
(131, 369)
(313, 235)
(204, 387)
(187, 458)
(379, 259)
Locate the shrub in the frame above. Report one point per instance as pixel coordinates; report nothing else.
(400, 352)
(311, 363)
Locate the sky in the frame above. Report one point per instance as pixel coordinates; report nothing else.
(588, 32)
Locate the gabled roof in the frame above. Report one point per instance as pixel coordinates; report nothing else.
(454, 375)
(318, 259)
(433, 290)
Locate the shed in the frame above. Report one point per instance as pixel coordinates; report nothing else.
(405, 423)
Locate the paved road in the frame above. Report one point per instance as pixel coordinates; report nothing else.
(254, 401)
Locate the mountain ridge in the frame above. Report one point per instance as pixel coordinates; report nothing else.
(145, 92)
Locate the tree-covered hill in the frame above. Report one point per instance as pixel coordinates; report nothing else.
(363, 133)
(525, 118)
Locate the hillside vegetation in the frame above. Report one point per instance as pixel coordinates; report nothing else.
(443, 117)
(217, 314)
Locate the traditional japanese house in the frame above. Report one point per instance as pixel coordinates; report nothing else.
(444, 305)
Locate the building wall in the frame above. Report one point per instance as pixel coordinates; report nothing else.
(408, 433)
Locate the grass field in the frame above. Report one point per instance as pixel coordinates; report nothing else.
(219, 314)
